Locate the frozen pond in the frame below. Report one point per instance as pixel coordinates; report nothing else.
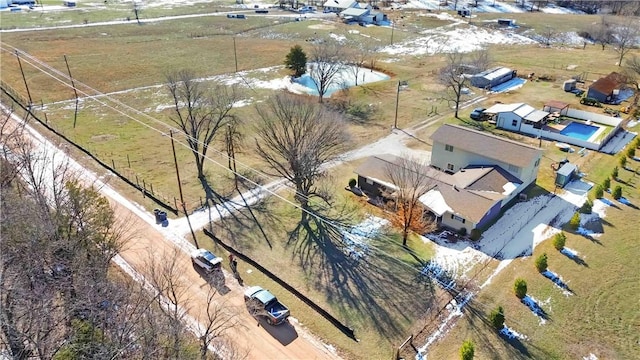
(344, 78)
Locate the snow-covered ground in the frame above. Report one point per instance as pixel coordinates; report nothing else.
(457, 36)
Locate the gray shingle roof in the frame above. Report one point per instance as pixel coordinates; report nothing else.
(487, 145)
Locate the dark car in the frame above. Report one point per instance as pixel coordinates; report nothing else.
(477, 113)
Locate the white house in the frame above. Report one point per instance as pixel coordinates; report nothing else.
(337, 6)
(512, 116)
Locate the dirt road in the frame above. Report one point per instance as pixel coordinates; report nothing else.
(148, 242)
(263, 342)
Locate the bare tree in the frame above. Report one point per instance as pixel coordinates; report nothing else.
(200, 112)
(233, 141)
(137, 9)
(357, 58)
(453, 78)
(328, 59)
(626, 37)
(548, 35)
(481, 59)
(215, 321)
(411, 180)
(297, 138)
(164, 276)
(602, 33)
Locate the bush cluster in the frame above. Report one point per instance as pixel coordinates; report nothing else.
(574, 223)
(617, 192)
(559, 240)
(520, 288)
(497, 318)
(541, 263)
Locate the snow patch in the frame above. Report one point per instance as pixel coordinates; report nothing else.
(356, 239)
(557, 280)
(512, 334)
(536, 309)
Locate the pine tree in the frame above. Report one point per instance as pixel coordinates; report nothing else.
(467, 350)
(296, 60)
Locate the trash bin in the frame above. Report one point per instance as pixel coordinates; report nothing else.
(162, 216)
(156, 213)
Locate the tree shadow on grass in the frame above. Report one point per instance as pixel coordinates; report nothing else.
(485, 334)
(367, 287)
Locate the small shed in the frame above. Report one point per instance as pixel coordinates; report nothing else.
(569, 85)
(556, 106)
(565, 174)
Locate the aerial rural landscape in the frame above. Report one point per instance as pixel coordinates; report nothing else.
(233, 179)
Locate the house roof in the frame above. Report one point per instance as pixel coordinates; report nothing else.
(556, 104)
(567, 169)
(536, 115)
(607, 84)
(354, 12)
(470, 192)
(500, 108)
(487, 145)
(341, 4)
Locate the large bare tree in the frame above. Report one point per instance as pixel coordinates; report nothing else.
(200, 112)
(602, 33)
(453, 78)
(297, 138)
(626, 37)
(328, 59)
(411, 180)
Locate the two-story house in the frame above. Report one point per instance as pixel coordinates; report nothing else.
(473, 175)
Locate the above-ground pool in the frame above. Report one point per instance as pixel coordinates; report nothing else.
(579, 130)
(344, 78)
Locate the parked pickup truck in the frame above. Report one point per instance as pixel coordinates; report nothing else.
(263, 303)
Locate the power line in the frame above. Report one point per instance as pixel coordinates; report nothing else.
(39, 65)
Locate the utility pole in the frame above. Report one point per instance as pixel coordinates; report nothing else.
(184, 208)
(235, 53)
(24, 79)
(75, 115)
(395, 121)
(393, 25)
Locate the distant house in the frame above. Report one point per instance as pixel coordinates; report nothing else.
(483, 174)
(363, 14)
(337, 6)
(492, 77)
(606, 88)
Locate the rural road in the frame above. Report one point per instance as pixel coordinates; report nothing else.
(148, 242)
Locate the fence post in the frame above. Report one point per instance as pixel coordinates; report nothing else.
(175, 202)
(137, 182)
(128, 161)
(113, 163)
(151, 185)
(144, 188)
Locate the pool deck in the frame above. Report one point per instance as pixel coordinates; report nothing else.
(565, 121)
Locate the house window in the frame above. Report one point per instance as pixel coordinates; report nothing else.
(514, 122)
(513, 168)
(450, 167)
(369, 181)
(448, 148)
(457, 218)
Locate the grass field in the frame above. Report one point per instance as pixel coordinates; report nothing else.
(379, 297)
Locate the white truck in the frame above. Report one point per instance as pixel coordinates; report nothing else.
(206, 260)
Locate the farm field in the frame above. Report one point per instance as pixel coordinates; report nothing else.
(375, 286)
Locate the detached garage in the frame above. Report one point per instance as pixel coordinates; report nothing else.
(492, 77)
